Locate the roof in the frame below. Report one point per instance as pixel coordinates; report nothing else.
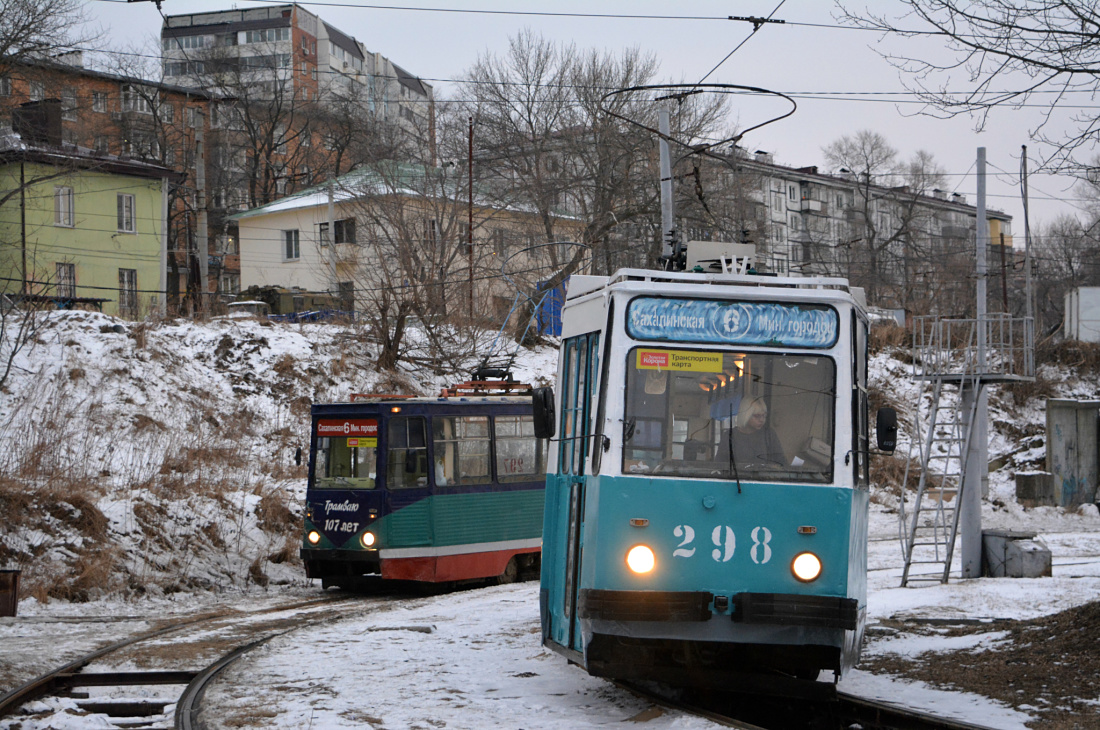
(343, 40)
(13, 147)
(92, 73)
(395, 178)
(408, 80)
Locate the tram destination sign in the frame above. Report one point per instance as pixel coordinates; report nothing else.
(713, 321)
(361, 432)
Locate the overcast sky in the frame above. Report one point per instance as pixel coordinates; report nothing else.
(841, 83)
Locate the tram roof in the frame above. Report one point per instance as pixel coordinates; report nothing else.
(419, 400)
(580, 284)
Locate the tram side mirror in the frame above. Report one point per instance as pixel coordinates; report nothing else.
(298, 456)
(542, 406)
(886, 429)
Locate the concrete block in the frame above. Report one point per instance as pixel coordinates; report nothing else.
(1014, 554)
(1027, 559)
(1035, 488)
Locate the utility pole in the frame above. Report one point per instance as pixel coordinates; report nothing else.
(332, 236)
(470, 215)
(1027, 245)
(23, 224)
(977, 453)
(670, 244)
(202, 234)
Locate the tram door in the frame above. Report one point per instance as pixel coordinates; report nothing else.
(574, 446)
(406, 482)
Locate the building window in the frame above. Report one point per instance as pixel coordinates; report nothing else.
(187, 42)
(100, 144)
(133, 101)
(192, 117)
(167, 112)
(37, 91)
(68, 105)
(792, 192)
(127, 221)
(99, 101)
(270, 35)
(230, 284)
(127, 292)
(63, 206)
(290, 245)
(66, 280)
(5, 86)
(345, 230)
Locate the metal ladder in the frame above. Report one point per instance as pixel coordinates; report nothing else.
(932, 524)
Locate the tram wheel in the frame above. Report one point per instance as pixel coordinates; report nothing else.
(510, 574)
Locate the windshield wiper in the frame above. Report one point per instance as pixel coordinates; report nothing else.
(733, 461)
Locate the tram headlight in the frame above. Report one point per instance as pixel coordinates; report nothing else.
(806, 567)
(640, 559)
(314, 537)
(367, 539)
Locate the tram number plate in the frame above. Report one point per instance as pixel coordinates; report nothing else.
(724, 540)
(340, 526)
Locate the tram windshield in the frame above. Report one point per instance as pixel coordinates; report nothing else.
(729, 415)
(346, 463)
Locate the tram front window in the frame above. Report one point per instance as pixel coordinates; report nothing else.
(346, 463)
(729, 415)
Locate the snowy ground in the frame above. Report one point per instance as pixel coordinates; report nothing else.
(472, 659)
(182, 435)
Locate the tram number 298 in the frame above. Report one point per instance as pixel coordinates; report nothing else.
(725, 541)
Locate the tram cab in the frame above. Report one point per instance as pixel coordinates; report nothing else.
(706, 506)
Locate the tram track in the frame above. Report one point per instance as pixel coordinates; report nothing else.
(756, 712)
(128, 698)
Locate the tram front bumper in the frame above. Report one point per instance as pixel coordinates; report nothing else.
(780, 609)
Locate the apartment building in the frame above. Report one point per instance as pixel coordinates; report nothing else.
(289, 51)
(81, 229)
(133, 119)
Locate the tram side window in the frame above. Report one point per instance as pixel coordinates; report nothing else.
(461, 446)
(581, 360)
(407, 453)
(520, 456)
(343, 463)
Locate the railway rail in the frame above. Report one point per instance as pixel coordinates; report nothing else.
(225, 635)
(842, 711)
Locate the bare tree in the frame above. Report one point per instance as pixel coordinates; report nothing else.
(411, 258)
(1003, 53)
(890, 236)
(38, 29)
(1066, 256)
(546, 141)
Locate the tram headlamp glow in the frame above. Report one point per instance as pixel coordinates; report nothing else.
(806, 567)
(314, 537)
(640, 559)
(367, 539)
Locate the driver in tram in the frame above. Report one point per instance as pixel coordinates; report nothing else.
(754, 441)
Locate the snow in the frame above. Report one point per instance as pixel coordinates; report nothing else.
(138, 416)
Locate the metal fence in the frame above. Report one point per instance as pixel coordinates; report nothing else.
(996, 346)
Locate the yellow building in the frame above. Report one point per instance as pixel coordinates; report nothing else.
(80, 230)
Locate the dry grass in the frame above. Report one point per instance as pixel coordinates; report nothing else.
(273, 511)
(888, 473)
(885, 337)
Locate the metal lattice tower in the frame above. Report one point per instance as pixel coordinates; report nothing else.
(953, 359)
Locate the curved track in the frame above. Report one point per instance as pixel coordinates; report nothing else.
(756, 712)
(224, 635)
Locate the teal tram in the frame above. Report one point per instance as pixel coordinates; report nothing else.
(436, 490)
(707, 494)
